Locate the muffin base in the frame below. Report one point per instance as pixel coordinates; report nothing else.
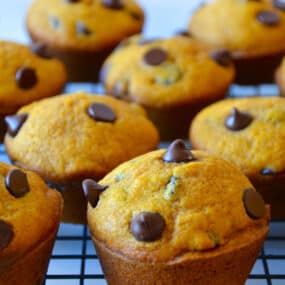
(280, 83)
(255, 70)
(31, 268)
(229, 264)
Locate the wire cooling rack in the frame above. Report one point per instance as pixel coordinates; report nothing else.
(74, 260)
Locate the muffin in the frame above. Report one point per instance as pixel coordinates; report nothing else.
(254, 33)
(82, 33)
(164, 221)
(171, 78)
(29, 218)
(280, 77)
(249, 133)
(68, 138)
(26, 76)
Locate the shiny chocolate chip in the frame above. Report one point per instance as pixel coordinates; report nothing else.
(81, 29)
(222, 57)
(238, 120)
(253, 204)
(15, 123)
(177, 152)
(92, 191)
(147, 226)
(113, 4)
(279, 4)
(40, 49)
(155, 56)
(26, 77)
(268, 18)
(17, 183)
(6, 234)
(101, 112)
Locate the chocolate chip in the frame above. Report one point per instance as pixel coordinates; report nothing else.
(268, 18)
(279, 4)
(17, 183)
(15, 123)
(81, 29)
(40, 49)
(183, 33)
(238, 120)
(177, 152)
(222, 57)
(155, 56)
(147, 226)
(136, 16)
(253, 204)
(54, 22)
(26, 77)
(92, 191)
(6, 234)
(101, 112)
(113, 4)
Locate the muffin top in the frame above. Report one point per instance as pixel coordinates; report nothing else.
(29, 212)
(166, 72)
(246, 27)
(27, 76)
(76, 136)
(88, 25)
(247, 132)
(167, 203)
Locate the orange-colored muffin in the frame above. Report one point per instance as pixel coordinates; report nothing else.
(163, 222)
(29, 218)
(171, 78)
(249, 133)
(68, 138)
(26, 76)
(252, 30)
(82, 33)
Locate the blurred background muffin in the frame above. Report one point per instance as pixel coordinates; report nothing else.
(69, 138)
(252, 30)
(82, 33)
(171, 78)
(29, 218)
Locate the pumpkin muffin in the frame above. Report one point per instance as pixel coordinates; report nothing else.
(252, 30)
(280, 77)
(171, 78)
(249, 133)
(26, 76)
(163, 221)
(82, 33)
(29, 218)
(68, 138)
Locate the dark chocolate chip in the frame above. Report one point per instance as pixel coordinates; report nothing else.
(279, 4)
(136, 16)
(54, 22)
(15, 123)
(268, 18)
(17, 183)
(238, 120)
(147, 226)
(222, 57)
(6, 234)
(40, 49)
(183, 33)
(177, 152)
(113, 4)
(253, 204)
(26, 77)
(81, 29)
(92, 191)
(155, 56)
(101, 112)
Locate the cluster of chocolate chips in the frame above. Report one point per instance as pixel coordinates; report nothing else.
(101, 112)
(238, 120)
(17, 184)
